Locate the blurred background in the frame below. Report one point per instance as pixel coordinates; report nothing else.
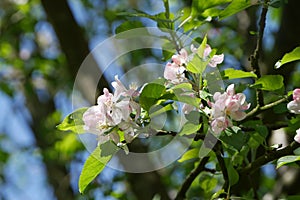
(42, 45)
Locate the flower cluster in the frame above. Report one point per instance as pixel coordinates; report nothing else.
(113, 113)
(174, 71)
(294, 107)
(226, 107)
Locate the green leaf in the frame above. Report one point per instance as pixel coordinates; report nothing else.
(231, 73)
(197, 65)
(288, 57)
(202, 5)
(127, 25)
(185, 86)
(233, 175)
(287, 160)
(236, 139)
(269, 82)
(234, 7)
(95, 163)
(73, 122)
(157, 110)
(190, 154)
(163, 23)
(207, 182)
(189, 128)
(151, 94)
(183, 96)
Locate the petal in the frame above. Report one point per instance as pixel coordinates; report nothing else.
(294, 107)
(230, 90)
(296, 94)
(297, 136)
(216, 59)
(207, 51)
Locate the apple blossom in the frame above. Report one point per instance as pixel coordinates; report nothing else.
(294, 106)
(226, 107)
(113, 113)
(174, 73)
(297, 136)
(181, 58)
(219, 124)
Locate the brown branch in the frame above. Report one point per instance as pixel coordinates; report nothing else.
(255, 57)
(268, 157)
(191, 177)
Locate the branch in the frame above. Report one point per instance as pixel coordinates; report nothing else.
(223, 169)
(191, 177)
(255, 57)
(259, 109)
(268, 157)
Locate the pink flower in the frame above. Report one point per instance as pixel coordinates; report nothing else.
(174, 73)
(220, 124)
(297, 136)
(294, 106)
(111, 111)
(216, 59)
(181, 58)
(296, 95)
(226, 107)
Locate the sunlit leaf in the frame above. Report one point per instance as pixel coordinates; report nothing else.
(73, 122)
(95, 163)
(197, 65)
(231, 73)
(287, 160)
(288, 57)
(269, 82)
(190, 154)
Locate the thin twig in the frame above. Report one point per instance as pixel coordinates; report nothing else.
(191, 177)
(259, 109)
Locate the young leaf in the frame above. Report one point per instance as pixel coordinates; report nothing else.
(190, 154)
(73, 122)
(288, 57)
(234, 7)
(287, 160)
(151, 94)
(189, 128)
(95, 163)
(197, 65)
(269, 82)
(231, 73)
(127, 25)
